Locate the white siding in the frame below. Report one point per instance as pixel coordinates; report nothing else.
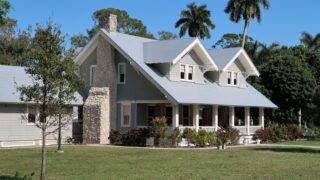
(235, 67)
(191, 59)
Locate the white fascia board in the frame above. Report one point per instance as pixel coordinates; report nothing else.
(242, 51)
(255, 70)
(189, 48)
(135, 65)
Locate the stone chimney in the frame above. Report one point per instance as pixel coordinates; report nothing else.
(112, 23)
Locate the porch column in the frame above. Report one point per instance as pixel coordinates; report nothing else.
(196, 116)
(247, 119)
(261, 117)
(231, 116)
(215, 117)
(175, 116)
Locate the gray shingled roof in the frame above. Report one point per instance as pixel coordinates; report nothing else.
(223, 56)
(164, 51)
(12, 77)
(185, 92)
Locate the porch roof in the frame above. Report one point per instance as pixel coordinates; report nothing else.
(184, 92)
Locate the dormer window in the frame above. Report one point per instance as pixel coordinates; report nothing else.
(232, 78)
(190, 73)
(182, 71)
(235, 78)
(186, 72)
(229, 77)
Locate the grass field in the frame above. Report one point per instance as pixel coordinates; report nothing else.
(128, 163)
(304, 143)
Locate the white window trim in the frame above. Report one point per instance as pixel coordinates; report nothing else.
(124, 71)
(232, 78)
(27, 115)
(186, 72)
(91, 80)
(122, 124)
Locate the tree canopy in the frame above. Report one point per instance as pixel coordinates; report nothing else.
(166, 35)
(196, 20)
(246, 10)
(4, 10)
(126, 24)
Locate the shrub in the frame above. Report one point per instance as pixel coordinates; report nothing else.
(279, 133)
(115, 137)
(265, 135)
(211, 138)
(201, 138)
(175, 136)
(222, 136)
(234, 135)
(293, 132)
(135, 137)
(159, 128)
(190, 135)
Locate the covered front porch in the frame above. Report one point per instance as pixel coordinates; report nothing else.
(209, 117)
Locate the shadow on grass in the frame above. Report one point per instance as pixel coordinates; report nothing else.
(288, 149)
(17, 176)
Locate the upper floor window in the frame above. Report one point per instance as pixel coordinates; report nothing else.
(92, 73)
(186, 72)
(235, 78)
(232, 78)
(229, 78)
(182, 71)
(121, 73)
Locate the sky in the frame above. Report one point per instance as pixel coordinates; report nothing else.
(282, 23)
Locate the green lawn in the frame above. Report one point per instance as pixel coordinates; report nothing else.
(304, 143)
(126, 163)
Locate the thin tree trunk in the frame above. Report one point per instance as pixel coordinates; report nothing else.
(43, 155)
(59, 134)
(244, 34)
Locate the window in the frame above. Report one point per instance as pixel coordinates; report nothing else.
(182, 71)
(31, 118)
(232, 78)
(186, 72)
(92, 73)
(125, 115)
(151, 114)
(229, 78)
(205, 116)
(121, 73)
(31, 115)
(185, 115)
(235, 78)
(190, 73)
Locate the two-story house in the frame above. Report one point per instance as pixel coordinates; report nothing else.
(130, 80)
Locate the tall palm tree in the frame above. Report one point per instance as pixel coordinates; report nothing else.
(309, 41)
(195, 19)
(246, 10)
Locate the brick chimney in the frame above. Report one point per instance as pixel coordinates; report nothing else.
(112, 23)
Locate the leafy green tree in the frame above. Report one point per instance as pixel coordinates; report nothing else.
(126, 24)
(246, 10)
(309, 41)
(196, 20)
(78, 41)
(14, 44)
(166, 35)
(290, 82)
(53, 82)
(4, 10)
